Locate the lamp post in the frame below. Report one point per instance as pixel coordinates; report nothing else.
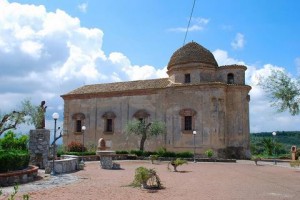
(194, 134)
(83, 128)
(274, 134)
(55, 116)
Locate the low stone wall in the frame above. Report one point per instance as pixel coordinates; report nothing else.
(18, 177)
(66, 165)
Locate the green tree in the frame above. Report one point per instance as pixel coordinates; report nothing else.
(145, 130)
(283, 91)
(11, 120)
(27, 113)
(268, 145)
(35, 113)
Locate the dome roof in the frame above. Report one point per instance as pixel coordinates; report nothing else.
(192, 53)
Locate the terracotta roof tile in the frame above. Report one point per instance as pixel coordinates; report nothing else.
(121, 86)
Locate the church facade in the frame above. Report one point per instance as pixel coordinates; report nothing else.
(198, 97)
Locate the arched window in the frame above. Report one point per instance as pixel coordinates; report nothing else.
(109, 118)
(79, 119)
(230, 78)
(141, 114)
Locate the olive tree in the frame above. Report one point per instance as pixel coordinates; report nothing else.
(283, 91)
(145, 130)
(27, 113)
(11, 120)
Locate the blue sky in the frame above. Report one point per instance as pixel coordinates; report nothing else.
(48, 48)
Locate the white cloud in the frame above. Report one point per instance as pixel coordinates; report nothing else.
(263, 117)
(197, 24)
(238, 42)
(223, 59)
(83, 7)
(46, 54)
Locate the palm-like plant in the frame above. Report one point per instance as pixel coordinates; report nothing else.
(176, 163)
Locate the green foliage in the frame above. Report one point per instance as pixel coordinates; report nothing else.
(283, 142)
(35, 113)
(162, 152)
(13, 194)
(209, 153)
(11, 141)
(76, 147)
(184, 154)
(145, 130)
(122, 152)
(268, 145)
(136, 152)
(11, 160)
(85, 153)
(176, 163)
(295, 163)
(284, 91)
(11, 120)
(146, 178)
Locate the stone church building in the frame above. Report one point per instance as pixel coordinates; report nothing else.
(197, 96)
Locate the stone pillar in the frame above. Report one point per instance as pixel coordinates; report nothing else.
(293, 150)
(39, 141)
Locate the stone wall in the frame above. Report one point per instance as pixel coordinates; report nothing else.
(39, 140)
(66, 165)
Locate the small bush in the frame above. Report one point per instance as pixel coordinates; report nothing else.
(122, 152)
(11, 141)
(146, 178)
(184, 154)
(76, 147)
(86, 153)
(13, 160)
(162, 152)
(137, 152)
(209, 153)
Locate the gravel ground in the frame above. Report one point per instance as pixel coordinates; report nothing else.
(241, 180)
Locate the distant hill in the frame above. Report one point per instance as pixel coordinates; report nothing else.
(287, 138)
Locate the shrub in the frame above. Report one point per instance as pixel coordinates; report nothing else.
(76, 147)
(162, 152)
(146, 178)
(184, 154)
(176, 163)
(122, 152)
(86, 153)
(13, 160)
(295, 163)
(137, 152)
(209, 153)
(11, 141)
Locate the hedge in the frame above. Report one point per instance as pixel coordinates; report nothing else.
(11, 160)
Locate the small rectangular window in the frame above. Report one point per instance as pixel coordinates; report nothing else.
(78, 125)
(187, 78)
(188, 123)
(109, 125)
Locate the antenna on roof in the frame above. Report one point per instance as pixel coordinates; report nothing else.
(187, 28)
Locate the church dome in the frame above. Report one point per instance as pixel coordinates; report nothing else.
(192, 52)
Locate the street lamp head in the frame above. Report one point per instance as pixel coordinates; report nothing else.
(194, 132)
(274, 133)
(83, 128)
(55, 115)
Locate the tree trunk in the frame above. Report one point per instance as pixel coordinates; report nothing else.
(144, 137)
